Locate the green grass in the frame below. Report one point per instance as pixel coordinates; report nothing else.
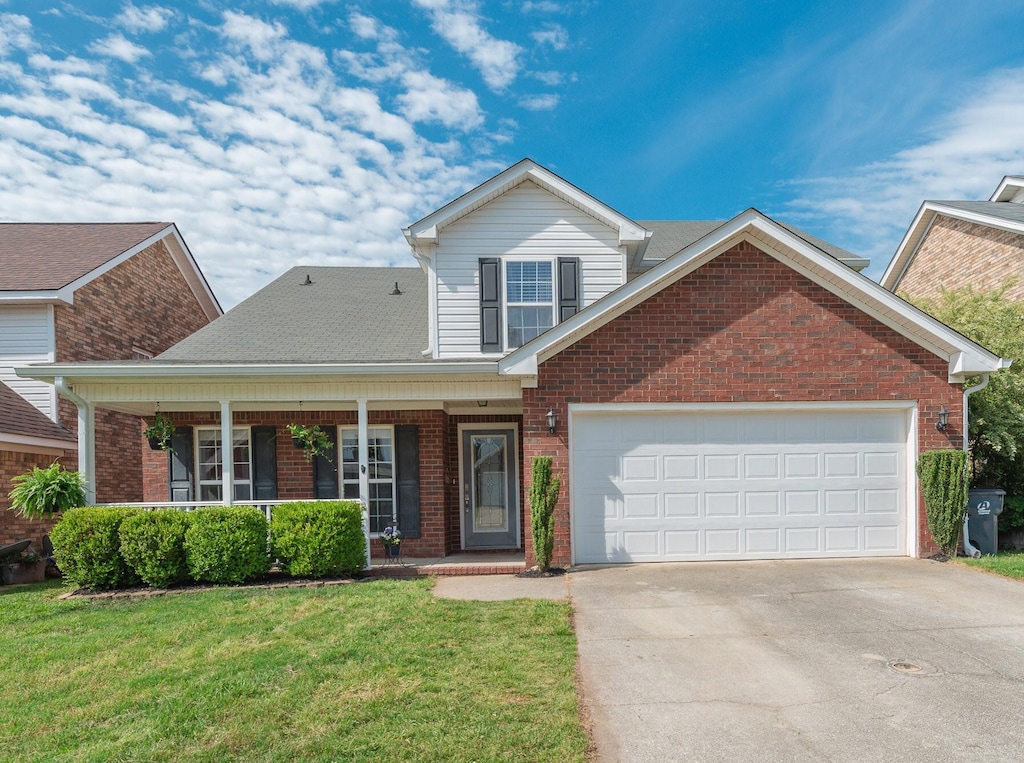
(1008, 563)
(378, 671)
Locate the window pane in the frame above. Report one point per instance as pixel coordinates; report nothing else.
(351, 491)
(528, 282)
(525, 323)
(209, 493)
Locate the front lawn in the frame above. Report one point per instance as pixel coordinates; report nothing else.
(1008, 563)
(378, 671)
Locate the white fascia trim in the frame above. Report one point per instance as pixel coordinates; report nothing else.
(856, 289)
(915, 235)
(193, 276)
(425, 231)
(147, 371)
(43, 297)
(816, 405)
(40, 444)
(1014, 182)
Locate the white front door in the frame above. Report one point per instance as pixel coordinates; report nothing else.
(744, 484)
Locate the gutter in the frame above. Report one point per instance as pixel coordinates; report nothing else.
(969, 549)
(86, 438)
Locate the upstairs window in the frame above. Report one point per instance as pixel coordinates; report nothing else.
(529, 300)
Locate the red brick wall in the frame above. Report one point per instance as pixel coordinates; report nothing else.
(956, 253)
(295, 476)
(742, 328)
(144, 302)
(14, 527)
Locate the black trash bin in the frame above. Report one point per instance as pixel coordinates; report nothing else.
(984, 506)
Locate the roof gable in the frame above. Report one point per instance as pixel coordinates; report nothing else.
(425, 232)
(963, 355)
(21, 424)
(48, 262)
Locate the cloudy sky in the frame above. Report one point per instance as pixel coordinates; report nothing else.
(282, 132)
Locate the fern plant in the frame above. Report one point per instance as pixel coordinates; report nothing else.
(544, 488)
(45, 492)
(943, 476)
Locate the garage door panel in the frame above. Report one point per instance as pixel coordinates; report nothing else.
(766, 485)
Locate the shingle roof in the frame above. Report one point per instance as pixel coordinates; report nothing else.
(19, 417)
(1001, 209)
(45, 256)
(346, 315)
(672, 235)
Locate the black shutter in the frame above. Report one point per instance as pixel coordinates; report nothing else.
(407, 479)
(264, 463)
(180, 465)
(568, 287)
(325, 472)
(490, 304)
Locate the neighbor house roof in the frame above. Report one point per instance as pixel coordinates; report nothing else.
(47, 262)
(22, 423)
(344, 315)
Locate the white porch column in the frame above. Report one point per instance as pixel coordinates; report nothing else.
(364, 476)
(87, 449)
(227, 455)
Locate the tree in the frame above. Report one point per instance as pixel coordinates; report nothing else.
(544, 488)
(996, 423)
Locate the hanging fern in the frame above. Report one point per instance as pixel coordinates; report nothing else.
(943, 476)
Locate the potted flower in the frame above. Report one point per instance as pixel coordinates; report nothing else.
(44, 492)
(159, 433)
(24, 567)
(313, 441)
(392, 540)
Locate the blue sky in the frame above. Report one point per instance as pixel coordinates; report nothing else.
(282, 132)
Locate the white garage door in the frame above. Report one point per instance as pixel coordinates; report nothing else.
(764, 484)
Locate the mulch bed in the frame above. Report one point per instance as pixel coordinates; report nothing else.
(536, 572)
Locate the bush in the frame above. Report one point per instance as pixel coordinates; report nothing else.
(544, 487)
(317, 539)
(153, 544)
(44, 492)
(226, 544)
(87, 547)
(943, 475)
(1013, 514)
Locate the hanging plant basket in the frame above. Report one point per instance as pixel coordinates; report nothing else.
(313, 440)
(159, 433)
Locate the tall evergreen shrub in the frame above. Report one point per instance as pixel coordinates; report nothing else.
(943, 476)
(544, 487)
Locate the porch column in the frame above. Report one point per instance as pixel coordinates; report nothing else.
(227, 455)
(364, 476)
(87, 449)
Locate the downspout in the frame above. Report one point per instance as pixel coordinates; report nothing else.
(86, 438)
(970, 550)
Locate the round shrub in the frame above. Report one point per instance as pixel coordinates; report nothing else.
(314, 539)
(87, 547)
(153, 544)
(226, 544)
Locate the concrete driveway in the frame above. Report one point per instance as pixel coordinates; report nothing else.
(839, 660)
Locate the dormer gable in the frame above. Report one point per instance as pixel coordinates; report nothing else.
(1011, 189)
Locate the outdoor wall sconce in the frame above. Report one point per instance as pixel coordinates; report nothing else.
(552, 420)
(943, 421)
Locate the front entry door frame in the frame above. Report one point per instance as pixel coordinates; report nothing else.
(511, 430)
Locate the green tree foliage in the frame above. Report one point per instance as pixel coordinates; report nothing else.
(943, 476)
(996, 429)
(544, 488)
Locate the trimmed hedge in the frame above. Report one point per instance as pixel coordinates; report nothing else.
(318, 539)
(87, 547)
(153, 543)
(226, 544)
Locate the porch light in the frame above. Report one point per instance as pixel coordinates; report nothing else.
(552, 420)
(943, 421)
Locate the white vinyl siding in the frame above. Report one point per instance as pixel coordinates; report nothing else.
(26, 336)
(763, 484)
(525, 222)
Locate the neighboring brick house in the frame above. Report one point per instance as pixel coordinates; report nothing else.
(952, 244)
(707, 389)
(86, 292)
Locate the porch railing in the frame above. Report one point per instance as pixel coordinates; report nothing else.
(266, 506)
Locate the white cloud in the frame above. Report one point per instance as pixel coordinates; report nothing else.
(544, 102)
(540, 6)
(553, 35)
(151, 18)
(15, 33)
(551, 78)
(287, 164)
(964, 156)
(302, 5)
(460, 24)
(116, 46)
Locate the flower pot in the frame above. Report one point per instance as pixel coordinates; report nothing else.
(297, 442)
(154, 443)
(24, 572)
(394, 551)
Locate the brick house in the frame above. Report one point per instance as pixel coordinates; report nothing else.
(707, 389)
(85, 292)
(952, 244)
